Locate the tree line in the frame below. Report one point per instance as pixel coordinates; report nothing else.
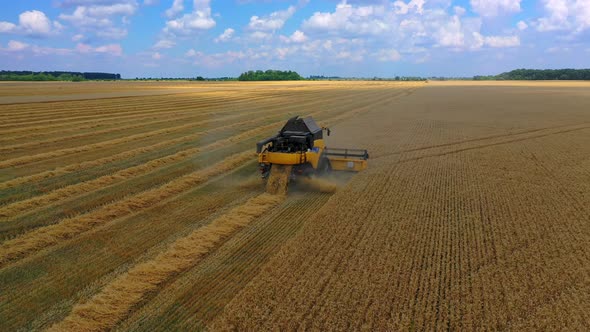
(270, 75)
(539, 74)
(6, 75)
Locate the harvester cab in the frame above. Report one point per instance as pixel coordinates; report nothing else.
(298, 149)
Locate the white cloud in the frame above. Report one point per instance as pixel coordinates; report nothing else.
(459, 11)
(260, 35)
(521, 25)
(402, 8)
(32, 23)
(112, 10)
(111, 49)
(296, 37)
(7, 27)
(96, 17)
(156, 56)
(502, 41)
(200, 19)
(190, 53)
(81, 18)
(112, 33)
(572, 15)
(272, 22)
(14, 45)
(225, 36)
(164, 43)
(81, 48)
(388, 55)
(451, 34)
(177, 7)
(350, 19)
(491, 8)
(73, 3)
(78, 37)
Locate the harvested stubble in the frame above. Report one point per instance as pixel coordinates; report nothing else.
(319, 184)
(67, 228)
(115, 301)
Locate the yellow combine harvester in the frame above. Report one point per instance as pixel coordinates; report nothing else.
(299, 150)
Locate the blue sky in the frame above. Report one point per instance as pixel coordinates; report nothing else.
(363, 38)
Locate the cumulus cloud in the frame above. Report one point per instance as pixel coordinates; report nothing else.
(14, 45)
(296, 37)
(272, 22)
(491, 8)
(177, 8)
(32, 23)
(97, 17)
(80, 49)
(225, 36)
(73, 3)
(502, 41)
(200, 19)
(110, 49)
(451, 34)
(78, 37)
(572, 15)
(156, 56)
(459, 11)
(164, 43)
(6, 27)
(350, 19)
(521, 25)
(403, 8)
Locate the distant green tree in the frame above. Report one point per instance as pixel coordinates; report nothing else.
(269, 75)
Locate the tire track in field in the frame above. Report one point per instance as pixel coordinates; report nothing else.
(115, 301)
(483, 146)
(512, 137)
(41, 238)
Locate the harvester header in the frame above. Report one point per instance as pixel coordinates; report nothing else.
(298, 149)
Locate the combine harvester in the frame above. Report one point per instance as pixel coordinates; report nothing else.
(299, 150)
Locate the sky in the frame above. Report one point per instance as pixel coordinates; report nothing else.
(349, 38)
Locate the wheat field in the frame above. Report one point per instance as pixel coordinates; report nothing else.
(136, 206)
